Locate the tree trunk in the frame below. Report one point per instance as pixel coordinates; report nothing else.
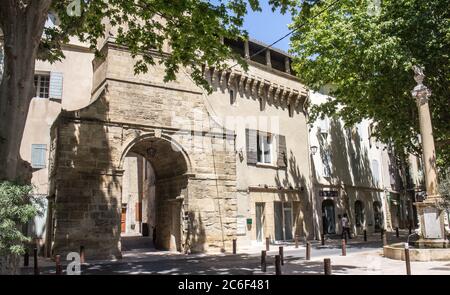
(22, 23)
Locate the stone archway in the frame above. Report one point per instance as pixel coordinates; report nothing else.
(170, 165)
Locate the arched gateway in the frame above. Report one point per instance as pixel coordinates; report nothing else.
(194, 164)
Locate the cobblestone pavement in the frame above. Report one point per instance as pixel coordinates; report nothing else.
(363, 258)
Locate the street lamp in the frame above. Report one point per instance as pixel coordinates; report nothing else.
(430, 217)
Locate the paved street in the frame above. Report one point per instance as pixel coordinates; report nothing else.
(362, 258)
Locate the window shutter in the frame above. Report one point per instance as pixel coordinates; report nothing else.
(282, 151)
(38, 155)
(324, 125)
(56, 85)
(252, 148)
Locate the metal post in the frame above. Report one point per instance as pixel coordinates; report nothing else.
(280, 251)
(344, 248)
(277, 265)
(26, 258)
(58, 265)
(322, 238)
(397, 233)
(36, 268)
(82, 260)
(234, 246)
(327, 266)
(308, 251)
(263, 261)
(267, 244)
(407, 260)
(365, 235)
(410, 226)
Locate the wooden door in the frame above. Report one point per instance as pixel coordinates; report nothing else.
(123, 219)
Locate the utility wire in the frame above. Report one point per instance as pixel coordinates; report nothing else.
(290, 33)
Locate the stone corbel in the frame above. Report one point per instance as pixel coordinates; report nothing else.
(254, 88)
(248, 84)
(223, 78)
(279, 94)
(231, 79)
(261, 92)
(242, 82)
(271, 92)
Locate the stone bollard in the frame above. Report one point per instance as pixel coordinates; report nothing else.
(327, 266)
(407, 260)
(82, 258)
(277, 265)
(365, 235)
(281, 253)
(36, 267)
(263, 261)
(26, 258)
(267, 244)
(234, 246)
(308, 251)
(344, 248)
(58, 265)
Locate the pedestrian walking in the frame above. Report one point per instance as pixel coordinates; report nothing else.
(345, 226)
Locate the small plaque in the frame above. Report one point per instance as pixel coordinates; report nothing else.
(432, 224)
(241, 226)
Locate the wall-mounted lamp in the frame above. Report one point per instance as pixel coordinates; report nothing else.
(151, 151)
(314, 150)
(240, 154)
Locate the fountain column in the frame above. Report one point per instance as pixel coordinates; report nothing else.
(431, 218)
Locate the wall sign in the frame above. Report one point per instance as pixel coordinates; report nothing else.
(241, 225)
(329, 193)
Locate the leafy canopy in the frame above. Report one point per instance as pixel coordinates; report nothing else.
(193, 29)
(17, 207)
(364, 54)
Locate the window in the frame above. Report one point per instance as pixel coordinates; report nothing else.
(232, 97)
(375, 171)
(49, 85)
(359, 213)
(326, 160)
(42, 84)
(283, 221)
(38, 155)
(265, 147)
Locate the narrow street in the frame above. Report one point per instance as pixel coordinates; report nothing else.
(362, 258)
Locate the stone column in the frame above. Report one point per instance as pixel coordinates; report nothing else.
(430, 217)
(268, 58)
(247, 49)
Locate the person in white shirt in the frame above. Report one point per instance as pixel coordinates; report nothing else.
(345, 227)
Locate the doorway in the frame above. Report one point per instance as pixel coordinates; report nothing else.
(377, 216)
(328, 217)
(283, 221)
(260, 216)
(123, 220)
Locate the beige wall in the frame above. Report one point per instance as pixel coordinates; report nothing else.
(77, 83)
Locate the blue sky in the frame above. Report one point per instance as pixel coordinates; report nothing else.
(268, 26)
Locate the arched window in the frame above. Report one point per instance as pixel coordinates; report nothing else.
(359, 213)
(375, 171)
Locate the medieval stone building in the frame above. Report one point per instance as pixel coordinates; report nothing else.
(232, 164)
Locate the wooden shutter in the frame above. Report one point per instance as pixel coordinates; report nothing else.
(38, 155)
(282, 151)
(138, 211)
(56, 85)
(252, 146)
